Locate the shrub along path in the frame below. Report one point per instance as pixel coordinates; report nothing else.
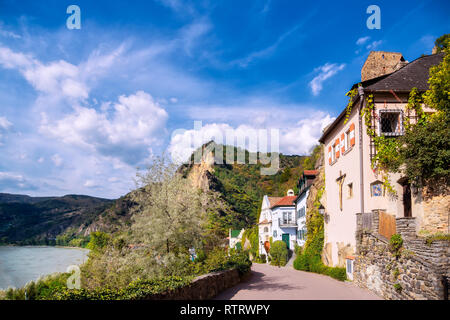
(273, 283)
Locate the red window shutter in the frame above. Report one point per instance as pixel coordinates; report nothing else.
(337, 148)
(352, 134)
(329, 155)
(342, 143)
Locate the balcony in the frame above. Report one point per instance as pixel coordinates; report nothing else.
(286, 223)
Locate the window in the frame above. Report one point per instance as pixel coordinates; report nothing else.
(266, 229)
(301, 234)
(274, 233)
(349, 266)
(287, 217)
(301, 212)
(391, 122)
(347, 140)
(350, 190)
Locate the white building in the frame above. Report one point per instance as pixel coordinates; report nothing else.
(277, 220)
(235, 236)
(304, 183)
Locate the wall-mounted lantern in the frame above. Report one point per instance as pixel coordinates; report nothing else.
(322, 209)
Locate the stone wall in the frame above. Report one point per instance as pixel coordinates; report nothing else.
(436, 210)
(204, 287)
(379, 63)
(417, 273)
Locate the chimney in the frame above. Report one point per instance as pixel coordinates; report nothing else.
(290, 192)
(379, 63)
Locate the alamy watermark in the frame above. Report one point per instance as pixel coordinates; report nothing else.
(263, 146)
(74, 281)
(74, 20)
(374, 20)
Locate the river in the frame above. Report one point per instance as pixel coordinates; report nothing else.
(20, 265)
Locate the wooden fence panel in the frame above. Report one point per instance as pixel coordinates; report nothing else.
(386, 226)
(367, 221)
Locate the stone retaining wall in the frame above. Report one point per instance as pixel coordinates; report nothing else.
(203, 287)
(417, 273)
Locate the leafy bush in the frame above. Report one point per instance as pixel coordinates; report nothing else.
(137, 290)
(301, 263)
(298, 249)
(42, 289)
(218, 260)
(98, 240)
(337, 273)
(395, 244)
(279, 253)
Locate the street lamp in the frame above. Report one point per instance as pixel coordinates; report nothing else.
(322, 210)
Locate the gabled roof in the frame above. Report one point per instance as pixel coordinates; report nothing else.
(273, 200)
(286, 201)
(235, 233)
(414, 74)
(310, 172)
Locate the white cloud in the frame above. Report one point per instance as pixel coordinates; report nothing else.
(4, 123)
(9, 34)
(301, 138)
(298, 138)
(58, 78)
(128, 132)
(57, 160)
(324, 72)
(362, 40)
(267, 51)
(10, 180)
(374, 44)
(90, 184)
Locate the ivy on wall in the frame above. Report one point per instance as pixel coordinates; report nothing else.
(351, 94)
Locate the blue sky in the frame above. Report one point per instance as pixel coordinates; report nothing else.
(81, 109)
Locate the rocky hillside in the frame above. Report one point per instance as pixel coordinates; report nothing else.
(68, 220)
(241, 186)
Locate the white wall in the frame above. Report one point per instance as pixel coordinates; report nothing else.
(301, 221)
(292, 231)
(341, 226)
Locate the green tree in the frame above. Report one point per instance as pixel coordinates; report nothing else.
(98, 241)
(425, 147)
(442, 42)
(279, 253)
(170, 216)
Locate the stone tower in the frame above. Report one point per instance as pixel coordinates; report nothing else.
(379, 63)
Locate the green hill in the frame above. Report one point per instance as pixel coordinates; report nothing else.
(39, 220)
(242, 187)
(69, 220)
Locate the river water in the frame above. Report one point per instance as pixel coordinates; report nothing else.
(20, 265)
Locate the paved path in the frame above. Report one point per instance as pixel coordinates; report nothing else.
(273, 283)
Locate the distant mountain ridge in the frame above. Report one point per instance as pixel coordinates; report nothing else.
(9, 197)
(38, 220)
(61, 220)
